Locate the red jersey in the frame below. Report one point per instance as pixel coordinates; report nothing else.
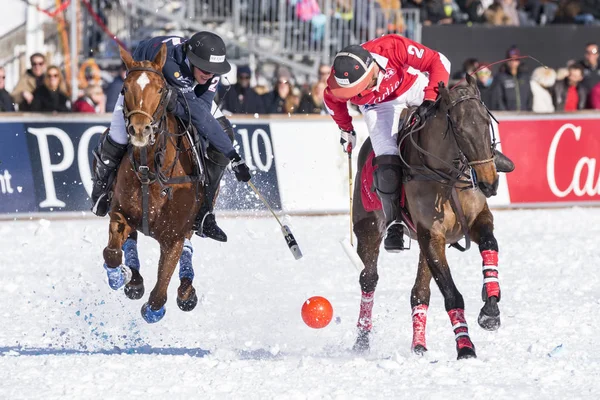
(395, 54)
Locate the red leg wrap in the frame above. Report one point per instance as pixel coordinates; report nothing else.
(490, 273)
(419, 321)
(461, 330)
(366, 310)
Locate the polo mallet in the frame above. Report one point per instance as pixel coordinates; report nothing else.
(348, 246)
(287, 233)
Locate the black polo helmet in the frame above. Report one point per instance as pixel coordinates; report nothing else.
(206, 51)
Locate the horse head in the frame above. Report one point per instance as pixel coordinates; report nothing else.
(145, 97)
(469, 120)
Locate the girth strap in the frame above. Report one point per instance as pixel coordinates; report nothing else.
(145, 179)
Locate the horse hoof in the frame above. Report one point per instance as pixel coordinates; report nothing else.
(134, 292)
(118, 276)
(189, 304)
(466, 352)
(151, 316)
(419, 350)
(489, 323)
(362, 343)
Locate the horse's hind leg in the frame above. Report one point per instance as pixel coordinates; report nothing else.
(419, 302)
(118, 274)
(368, 236)
(135, 288)
(482, 232)
(432, 247)
(170, 251)
(186, 294)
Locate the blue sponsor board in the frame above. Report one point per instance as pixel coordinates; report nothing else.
(48, 167)
(17, 190)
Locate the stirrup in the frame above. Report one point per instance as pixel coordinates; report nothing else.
(217, 233)
(397, 245)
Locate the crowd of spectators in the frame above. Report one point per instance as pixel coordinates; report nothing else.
(517, 88)
(513, 87)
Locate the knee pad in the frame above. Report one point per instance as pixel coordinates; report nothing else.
(389, 174)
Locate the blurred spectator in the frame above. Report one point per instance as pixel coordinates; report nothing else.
(113, 89)
(92, 101)
(6, 102)
(241, 98)
(324, 72)
(468, 67)
(591, 71)
(496, 16)
(594, 98)
(437, 12)
(570, 94)
(484, 83)
(274, 101)
(542, 82)
(392, 12)
(590, 12)
(473, 9)
(312, 102)
(512, 91)
(567, 12)
(561, 73)
(292, 101)
(510, 10)
(29, 81)
(49, 96)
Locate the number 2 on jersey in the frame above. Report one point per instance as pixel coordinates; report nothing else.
(415, 51)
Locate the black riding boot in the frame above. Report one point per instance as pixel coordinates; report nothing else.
(108, 156)
(387, 183)
(503, 163)
(206, 224)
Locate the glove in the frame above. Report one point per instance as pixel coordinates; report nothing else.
(172, 104)
(348, 140)
(425, 110)
(242, 172)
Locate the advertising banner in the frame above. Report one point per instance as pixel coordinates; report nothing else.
(556, 160)
(45, 166)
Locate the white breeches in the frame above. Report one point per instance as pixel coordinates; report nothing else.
(383, 119)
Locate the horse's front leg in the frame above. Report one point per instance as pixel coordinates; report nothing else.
(135, 288)
(119, 229)
(368, 237)
(482, 233)
(419, 302)
(170, 251)
(186, 294)
(432, 245)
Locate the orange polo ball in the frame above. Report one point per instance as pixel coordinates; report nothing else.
(317, 312)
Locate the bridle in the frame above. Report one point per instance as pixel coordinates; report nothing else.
(455, 174)
(451, 125)
(160, 114)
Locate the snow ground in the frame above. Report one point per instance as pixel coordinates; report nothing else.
(65, 334)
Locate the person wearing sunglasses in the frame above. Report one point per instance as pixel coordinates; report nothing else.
(33, 78)
(193, 68)
(6, 102)
(50, 97)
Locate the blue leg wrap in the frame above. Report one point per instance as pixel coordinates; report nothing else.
(131, 255)
(186, 270)
(151, 316)
(117, 277)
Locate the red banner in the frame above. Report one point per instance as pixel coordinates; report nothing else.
(556, 159)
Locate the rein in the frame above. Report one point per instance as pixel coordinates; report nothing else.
(456, 174)
(162, 176)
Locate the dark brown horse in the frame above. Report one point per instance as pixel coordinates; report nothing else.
(444, 160)
(154, 192)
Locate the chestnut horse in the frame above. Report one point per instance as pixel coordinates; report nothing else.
(158, 191)
(449, 171)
